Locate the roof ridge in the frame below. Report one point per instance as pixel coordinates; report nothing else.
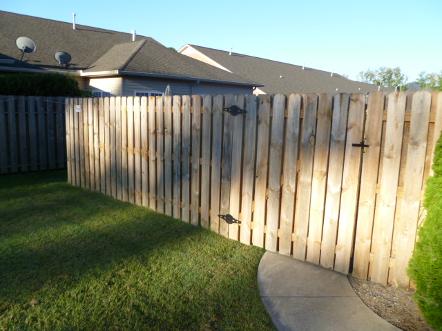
(76, 24)
(132, 55)
(269, 60)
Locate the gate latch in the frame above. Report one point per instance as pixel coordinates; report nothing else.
(361, 145)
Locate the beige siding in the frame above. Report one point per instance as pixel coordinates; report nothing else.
(112, 85)
(197, 55)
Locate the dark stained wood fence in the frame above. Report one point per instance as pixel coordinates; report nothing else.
(292, 170)
(32, 134)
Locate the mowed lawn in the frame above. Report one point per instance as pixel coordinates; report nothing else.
(72, 259)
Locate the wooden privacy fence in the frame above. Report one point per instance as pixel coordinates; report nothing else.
(32, 133)
(334, 180)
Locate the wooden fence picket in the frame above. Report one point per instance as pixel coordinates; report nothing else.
(137, 149)
(261, 171)
(90, 124)
(101, 139)
(124, 151)
(12, 130)
(235, 186)
(215, 176)
(159, 115)
(22, 139)
(226, 166)
(306, 153)
(85, 133)
(319, 180)
(130, 150)
(350, 183)
(176, 122)
(291, 142)
(334, 179)
(274, 181)
(168, 155)
(195, 162)
(248, 169)
(386, 200)
(405, 227)
(185, 159)
(206, 133)
(107, 145)
(369, 177)
(144, 153)
(152, 154)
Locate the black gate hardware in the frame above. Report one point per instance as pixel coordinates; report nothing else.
(362, 145)
(229, 219)
(234, 110)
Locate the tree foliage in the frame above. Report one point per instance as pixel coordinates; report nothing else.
(431, 81)
(385, 77)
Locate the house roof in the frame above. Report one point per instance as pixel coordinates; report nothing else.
(99, 50)
(280, 77)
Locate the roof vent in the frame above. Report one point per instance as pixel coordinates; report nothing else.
(331, 74)
(281, 76)
(73, 21)
(134, 35)
(230, 52)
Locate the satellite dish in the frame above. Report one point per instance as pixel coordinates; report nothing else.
(63, 58)
(25, 45)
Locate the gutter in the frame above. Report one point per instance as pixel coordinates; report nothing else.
(108, 73)
(188, 78)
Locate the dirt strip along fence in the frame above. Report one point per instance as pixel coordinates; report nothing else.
(32, 133)
(333, 180)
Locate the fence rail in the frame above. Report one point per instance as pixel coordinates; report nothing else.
(334, 180)
(32, 134)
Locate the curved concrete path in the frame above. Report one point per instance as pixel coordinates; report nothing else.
(301, 296)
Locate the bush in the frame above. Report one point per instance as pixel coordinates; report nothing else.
(50, 84)
(425, 267)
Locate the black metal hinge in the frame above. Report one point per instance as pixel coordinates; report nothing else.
(229, 219)
(234, 110)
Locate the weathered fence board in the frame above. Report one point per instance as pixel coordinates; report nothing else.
(319, 181)
(307, 145)
(335, 180)
(261, 171)
(248, 170)
(289, 174)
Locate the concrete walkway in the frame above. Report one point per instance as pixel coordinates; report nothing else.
(301, 296)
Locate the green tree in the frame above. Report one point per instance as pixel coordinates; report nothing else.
(385, 77)
(431, 81)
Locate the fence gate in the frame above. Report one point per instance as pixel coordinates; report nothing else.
(333, 180)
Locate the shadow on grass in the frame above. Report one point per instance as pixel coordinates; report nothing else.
(96, 263)
(71, 255)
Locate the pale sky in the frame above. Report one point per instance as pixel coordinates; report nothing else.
(340, 36)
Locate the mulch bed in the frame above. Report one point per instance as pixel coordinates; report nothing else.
(395, 305)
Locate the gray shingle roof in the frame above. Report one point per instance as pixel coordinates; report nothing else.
(279, 77)
(94, 49)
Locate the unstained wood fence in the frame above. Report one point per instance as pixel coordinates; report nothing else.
(32, 133)
(334, 180)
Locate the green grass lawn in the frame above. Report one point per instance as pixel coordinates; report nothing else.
(72, 259)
